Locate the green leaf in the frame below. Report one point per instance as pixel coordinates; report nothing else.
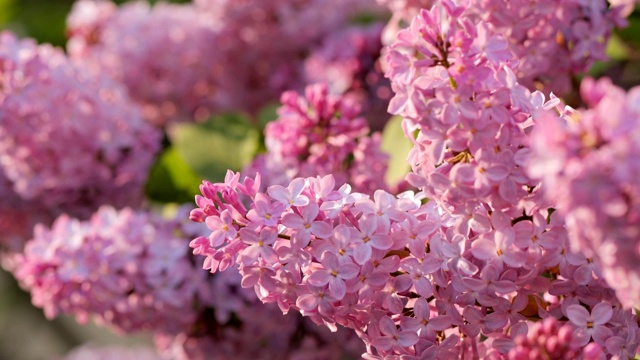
(617, 49)
(172, 180)
(211, 148)
(267, 114)
(6, 11)
(631, 33)
(397, 146)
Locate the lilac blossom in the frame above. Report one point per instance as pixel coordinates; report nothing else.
(70, 140)
(552, 340)
(234, 50)
(548, 49)
(328, 279)
(589, 168)
(468, 118)
(320, 134)
(117, 268)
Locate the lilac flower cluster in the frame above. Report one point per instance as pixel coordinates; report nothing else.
(458, 276)
(240, 54)
(148, 49)
(321, 134)
(464, 110)
(550, 340)
(461, 101)
(400, 273)
(347, 60)
(588, 162)
(70, 140)
(552, 40)
(123, 268)
(131, 271)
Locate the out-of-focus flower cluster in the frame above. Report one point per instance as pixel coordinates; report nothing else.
(347, 61)
(70, 140)
(17, 219)
(321, 134)
(123, 268)
(240, 54)
(148, 48)
(589, 163)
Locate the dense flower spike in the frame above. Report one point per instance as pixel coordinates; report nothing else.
(347, 61)
(399, 272)
(69, 139)
(549, 340)
(588, 162)
(131, 271)
(321, 134)
(234, 50)
(122, 268)
(466, 114)
(552, 40)
(147, 49)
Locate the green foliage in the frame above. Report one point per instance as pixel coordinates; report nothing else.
(397, 146)
(7, 8)
(224, 142)
(267, 114)
(631, 34)
(171, 179)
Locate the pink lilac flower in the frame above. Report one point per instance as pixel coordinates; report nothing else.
(549, 339)
(590, 325)
(592, 176)
(325, 278)
(320, 134)
(392, 337)
(552, 40)
(117, 268)
(347, 60)
(188, 61)
(334, 275)
(70, 140)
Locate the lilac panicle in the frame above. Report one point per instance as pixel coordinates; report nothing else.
(552, 40)
(70, 139)
(321, 134)
(383, 259)
(588, 162)
(240, 55)
(124, 269)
